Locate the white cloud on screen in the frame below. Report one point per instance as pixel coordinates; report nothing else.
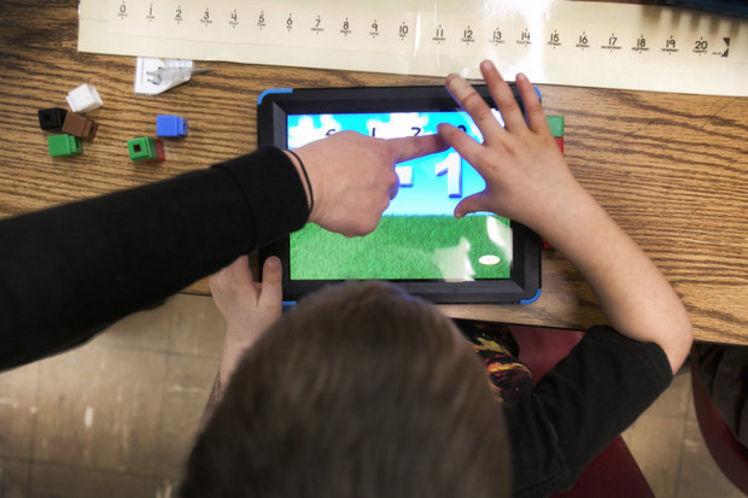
(454, 262)
(399, 125)
(305, 131)
(329, 123)
(474, 128)
(501, 236)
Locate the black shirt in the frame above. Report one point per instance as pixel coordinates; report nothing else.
(579, 407)
(68, 271)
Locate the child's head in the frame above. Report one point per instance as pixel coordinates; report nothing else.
(361, 391)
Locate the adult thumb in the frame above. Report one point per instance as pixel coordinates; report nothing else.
(471, 204)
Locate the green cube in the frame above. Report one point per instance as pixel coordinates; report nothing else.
(64, 145)
(556, 124)
(142, 149)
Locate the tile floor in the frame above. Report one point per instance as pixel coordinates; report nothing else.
(116, 417)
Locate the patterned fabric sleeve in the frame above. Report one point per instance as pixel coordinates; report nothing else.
(498, 350)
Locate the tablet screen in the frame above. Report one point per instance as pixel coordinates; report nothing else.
(418, 238)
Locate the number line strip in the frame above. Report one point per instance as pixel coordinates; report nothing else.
(555, 42)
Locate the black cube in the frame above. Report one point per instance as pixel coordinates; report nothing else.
(52, 119)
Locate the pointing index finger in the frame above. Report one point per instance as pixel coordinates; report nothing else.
(406, 148)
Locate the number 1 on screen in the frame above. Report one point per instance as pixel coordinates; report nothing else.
(452, 166)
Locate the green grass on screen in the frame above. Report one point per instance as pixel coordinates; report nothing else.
(402, 247)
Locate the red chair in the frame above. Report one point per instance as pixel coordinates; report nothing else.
(728, 453)
(614, 473)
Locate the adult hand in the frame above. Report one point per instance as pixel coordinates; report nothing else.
(353, 177)
(248, 307)
(526, 176)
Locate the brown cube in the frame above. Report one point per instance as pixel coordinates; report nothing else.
(79, 126)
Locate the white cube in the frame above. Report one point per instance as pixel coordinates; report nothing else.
(85, 98)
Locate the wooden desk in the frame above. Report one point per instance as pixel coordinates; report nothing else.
(671, 169)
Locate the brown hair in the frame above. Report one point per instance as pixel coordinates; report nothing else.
(361, 391)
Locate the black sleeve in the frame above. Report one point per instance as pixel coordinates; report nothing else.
(68, 270)
(580, 406)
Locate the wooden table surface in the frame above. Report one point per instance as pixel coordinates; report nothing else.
(671, 169)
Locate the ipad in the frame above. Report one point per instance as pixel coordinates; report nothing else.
(418, 244)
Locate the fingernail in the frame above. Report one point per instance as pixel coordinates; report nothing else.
(487, 65)
(273, 263)
(521, 77)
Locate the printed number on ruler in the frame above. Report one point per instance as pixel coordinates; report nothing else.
(361, 29)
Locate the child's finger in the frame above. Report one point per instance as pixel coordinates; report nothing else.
(463, 144)
(531, 102)
(503, 96)
(271, 292)
(471, 101)
(473, 203)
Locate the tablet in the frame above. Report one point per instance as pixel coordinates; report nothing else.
(418, 244)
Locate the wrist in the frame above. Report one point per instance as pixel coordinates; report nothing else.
(234, 347)
(239, 336)
(296, 159)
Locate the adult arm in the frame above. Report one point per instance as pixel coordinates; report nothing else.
(71, 269)
(68, 271)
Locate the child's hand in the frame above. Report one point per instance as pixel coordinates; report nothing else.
(249, 307)
(528, 181)
(526, 176)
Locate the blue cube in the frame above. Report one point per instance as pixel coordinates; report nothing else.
(171, 126)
